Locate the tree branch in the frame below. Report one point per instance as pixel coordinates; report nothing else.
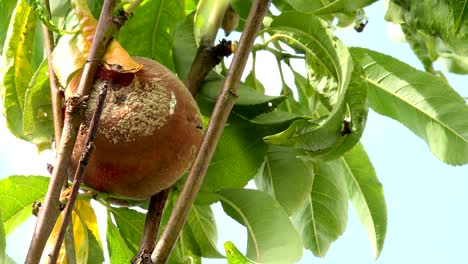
(152, 225)
(55, 93)
(205, 60)
(223, 107)
(51, 207)
(80, 169)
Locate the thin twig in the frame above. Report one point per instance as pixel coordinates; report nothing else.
(51, 208)
(84, 159)
(57, 104)
(151, 230)
(55, 93)
(221, 112)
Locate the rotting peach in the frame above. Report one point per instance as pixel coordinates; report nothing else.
(148, 136)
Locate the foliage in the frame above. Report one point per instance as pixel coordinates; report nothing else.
(301, 147)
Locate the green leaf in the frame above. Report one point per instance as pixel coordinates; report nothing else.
(329, 6)
(425, 104)
(16, 65)
(234, 256)
(2, 239)
(9, 260)
(38, 120)
(237, 158)
(460, 11)
(17, 195)
(6, 10)
(184, 47)
(130, 224)
(203, 226)
(250, 102)
(366, 194)
(209, 14)
(323, 219)
(286, 177)
(333, 76)
(252, 81)
(119, 252)
(272, 237)
(437, 18)
(95, 254)
(276, 118)
(156, 21)
(43, 14)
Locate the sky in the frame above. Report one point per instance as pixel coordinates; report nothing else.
(426, 199)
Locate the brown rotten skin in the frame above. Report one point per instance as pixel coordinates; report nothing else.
(149, 133)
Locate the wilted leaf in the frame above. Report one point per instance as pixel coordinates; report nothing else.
(17, 195)
(38, 118)
(234, 256)
(203, 226)
(366, 194)
(425, 104)
(323, 219)
(75, 50)
(436, 18)
(272, 237)
(155, 22)
(16, 65)
(286, 177)
(332, 75)
(83, 218)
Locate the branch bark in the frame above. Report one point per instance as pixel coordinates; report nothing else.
(152, 225)
(223, 107)
(205, 60)
(51, 208)
(80, 170)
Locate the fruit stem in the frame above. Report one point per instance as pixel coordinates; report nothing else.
(223, 107)
(51, 207)
(152, 225)
(79, 173)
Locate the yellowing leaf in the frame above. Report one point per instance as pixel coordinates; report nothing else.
(83, 219)
(116, 57)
